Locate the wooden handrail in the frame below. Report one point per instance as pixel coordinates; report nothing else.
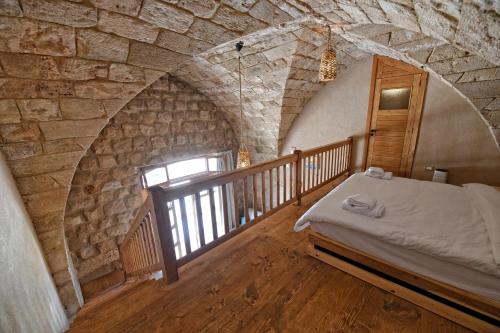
(242, 197)
(140, 249)
(224, 177)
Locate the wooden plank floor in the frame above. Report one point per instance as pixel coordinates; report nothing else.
(259, 281)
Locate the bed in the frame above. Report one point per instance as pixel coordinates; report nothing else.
(437, 245)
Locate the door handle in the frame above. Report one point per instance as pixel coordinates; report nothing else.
(372, 132)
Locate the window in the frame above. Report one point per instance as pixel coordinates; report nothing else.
(394, 98)
(179, 172)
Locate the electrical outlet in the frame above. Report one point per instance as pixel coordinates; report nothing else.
(429, 168)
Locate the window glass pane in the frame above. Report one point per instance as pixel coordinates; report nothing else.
(391, 99)
(156, 176)
(186, 168)
(213, 164)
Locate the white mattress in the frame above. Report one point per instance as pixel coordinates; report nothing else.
(453, 231)
(456, 275)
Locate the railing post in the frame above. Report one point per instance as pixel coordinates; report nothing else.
(349, 163)
(298, 175)
(164, 228)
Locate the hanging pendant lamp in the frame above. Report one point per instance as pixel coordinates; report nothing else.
(243, 153)
(328, 65)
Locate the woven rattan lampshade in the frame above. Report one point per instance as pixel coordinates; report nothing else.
(328, 65)
(243, 153)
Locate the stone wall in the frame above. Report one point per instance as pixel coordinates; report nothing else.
(167, 121)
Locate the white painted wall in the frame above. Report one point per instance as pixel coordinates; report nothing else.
(452, 134)
(28, 298)
(337, 111)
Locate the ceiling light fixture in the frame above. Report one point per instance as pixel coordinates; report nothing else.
(328, 65)
(243, 153)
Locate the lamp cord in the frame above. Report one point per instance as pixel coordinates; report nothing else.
(241, 104)
(329, 47)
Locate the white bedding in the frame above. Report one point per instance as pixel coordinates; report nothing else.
(435, 219)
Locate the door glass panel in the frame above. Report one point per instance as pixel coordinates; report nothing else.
(394, 98)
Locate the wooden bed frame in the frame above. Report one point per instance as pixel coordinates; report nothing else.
(463, 307)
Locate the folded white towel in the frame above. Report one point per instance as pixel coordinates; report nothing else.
(374, 172)
(361, 201)
(376, 212)
(387, 175)
(379, 173)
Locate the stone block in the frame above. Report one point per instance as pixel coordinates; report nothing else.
(210, 32)
(106, 90)
(479, 29)
(9, 113)
(127, 26)
(117, 230)
(93, 263)
(10, 8)
(128, 7)
(486, 74)
(400, 15)
(44, 164)
(242, 6)
(44, 182)
(107, 245)
(237, 21)
(445, 52)
(106, 161)
(494, 104)
(57, 260)
(200, 8)
(19, 132)
(88, 251)
(420, 44)
(355, 13)
(67, 145)
(14, 151)
(480, 89)
(18, 88)
(39, 109)
(433, 22)
(47, 222)
(166, 16)
(53, 130)
(27, 36)
(74, 221)
(112, 106)
(51, 240)
(101, 46)
(114, 207)
(267, 12)
(80, 69)
(30, 66)
(402, 36)
(77, 108)
(126, 73)
(154, 57)
(374, 13)
(54, 89)
(180, 43)
(39, 204)
(62, 12)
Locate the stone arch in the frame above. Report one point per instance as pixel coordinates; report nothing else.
(97, 55)
(476, 79)
(166, 121)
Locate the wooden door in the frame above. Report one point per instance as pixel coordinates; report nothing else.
(395, 108)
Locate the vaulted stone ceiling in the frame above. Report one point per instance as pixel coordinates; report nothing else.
(68, 66)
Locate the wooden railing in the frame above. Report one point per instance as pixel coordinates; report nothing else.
(140, 250)
(195, 217)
